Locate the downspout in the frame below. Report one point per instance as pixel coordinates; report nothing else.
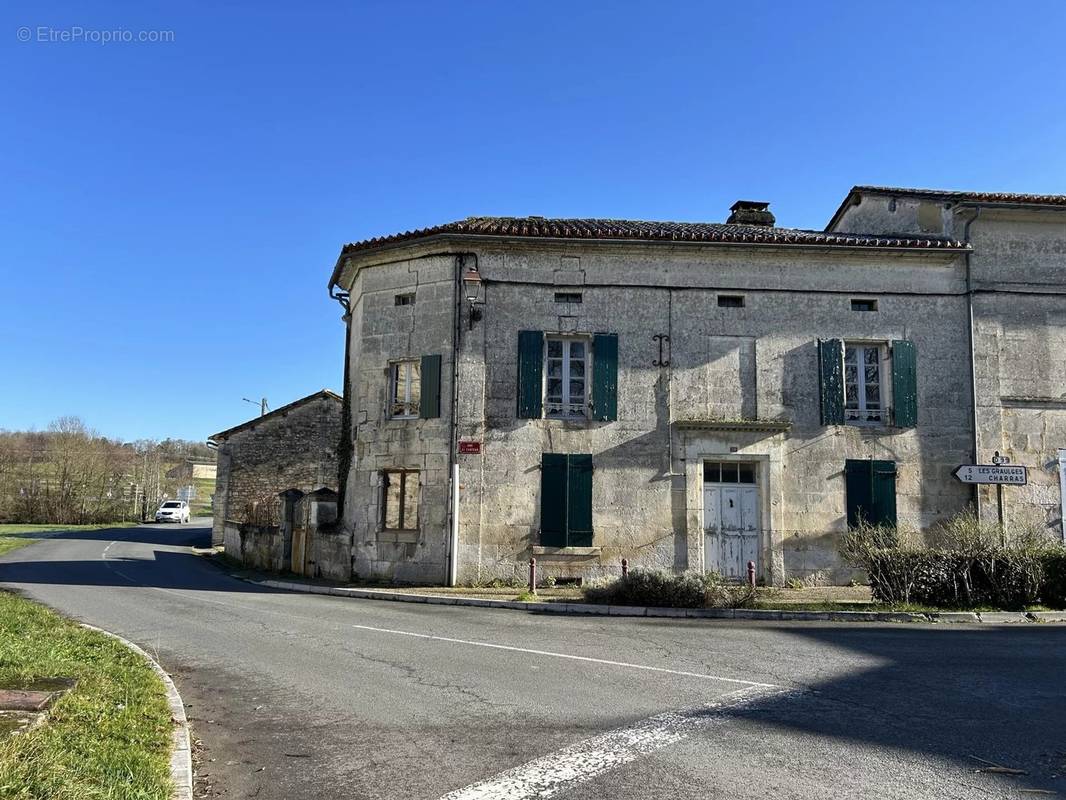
(453, 516)
(973, 353)
(345, 445)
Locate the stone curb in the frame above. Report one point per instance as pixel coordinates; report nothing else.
(754, 614)
(181, 748)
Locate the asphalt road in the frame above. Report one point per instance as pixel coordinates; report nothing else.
(321, 697)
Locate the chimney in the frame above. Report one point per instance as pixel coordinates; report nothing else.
(750, 212)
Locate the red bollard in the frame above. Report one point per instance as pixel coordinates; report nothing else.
(532, 576)
(625, 567)
(751, 574)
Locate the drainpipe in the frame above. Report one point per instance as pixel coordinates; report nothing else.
(453, 520)
(345, 445)
(973, 353)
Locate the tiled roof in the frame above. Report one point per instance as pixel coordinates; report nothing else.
(639, 231)
(968, 197)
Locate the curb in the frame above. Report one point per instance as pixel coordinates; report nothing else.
(753, 614)
(181, 747)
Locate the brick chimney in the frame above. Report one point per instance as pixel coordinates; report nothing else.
(751, 212)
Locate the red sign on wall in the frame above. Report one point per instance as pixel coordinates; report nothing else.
(469, 448)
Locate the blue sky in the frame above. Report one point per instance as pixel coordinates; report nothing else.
(171, 211)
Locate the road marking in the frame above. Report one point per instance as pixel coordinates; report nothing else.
(702, 675)
(556, 772)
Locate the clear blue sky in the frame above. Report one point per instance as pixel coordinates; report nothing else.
(170, 212)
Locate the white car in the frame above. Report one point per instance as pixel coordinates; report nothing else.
(173, 511)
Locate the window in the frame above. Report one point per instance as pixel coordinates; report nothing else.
(731, 301)
(566, 386)
(728, 472)
(399, 500)
(405, 384)
(857, 381)
(566, 500)
(871, 492)
(581, 380)
(863, 305)
(862, 383)
(568, 297)
(407, 299)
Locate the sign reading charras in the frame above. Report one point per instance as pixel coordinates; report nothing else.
(992, 473)
(468, 448)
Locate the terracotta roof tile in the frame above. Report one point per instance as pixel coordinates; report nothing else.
(641, 231)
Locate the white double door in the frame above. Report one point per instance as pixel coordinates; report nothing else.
(731, 528)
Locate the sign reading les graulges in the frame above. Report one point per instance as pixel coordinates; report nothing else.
(992, 473)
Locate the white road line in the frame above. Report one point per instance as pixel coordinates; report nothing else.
(702, 675)
(548, 775)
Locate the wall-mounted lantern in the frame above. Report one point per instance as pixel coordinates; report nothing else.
(472, 286)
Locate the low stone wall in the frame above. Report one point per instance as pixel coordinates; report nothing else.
(256, 547)
(332, 555)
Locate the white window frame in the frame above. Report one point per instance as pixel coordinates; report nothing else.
(410, 403)
(861, 414)
(570, 408)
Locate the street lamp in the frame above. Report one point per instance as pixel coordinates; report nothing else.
(472, 288)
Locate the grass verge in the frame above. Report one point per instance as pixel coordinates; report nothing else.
(12, 536)
(108, 738)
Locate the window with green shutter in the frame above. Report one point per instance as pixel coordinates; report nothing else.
(566, 500)
(871, 492)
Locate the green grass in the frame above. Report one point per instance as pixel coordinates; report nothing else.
(107, 739)
(12, 536)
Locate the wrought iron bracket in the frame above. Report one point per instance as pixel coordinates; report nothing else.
(661, 362)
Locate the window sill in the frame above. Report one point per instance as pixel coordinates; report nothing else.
(397, 537)
(564, 552)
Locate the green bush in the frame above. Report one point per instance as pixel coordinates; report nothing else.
(644, 587)
(1053, 592)
(973, 564)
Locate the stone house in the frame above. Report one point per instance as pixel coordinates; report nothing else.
(291, 448)
(193, 469)
(695, 395)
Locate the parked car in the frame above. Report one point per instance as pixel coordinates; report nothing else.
(173, 511)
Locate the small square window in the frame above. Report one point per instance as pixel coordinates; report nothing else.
(399, 500)
(858, 304)
(405, 389)
(407, 299)
(568, 297)
(731, 301)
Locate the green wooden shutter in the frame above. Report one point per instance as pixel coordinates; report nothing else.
(605, 377)
(857, 477)
(883, 492)
(905, 383)
(429, 400)
(871, 492)
(579, 502)
(831, 380)
(530, 367)
(553, 501)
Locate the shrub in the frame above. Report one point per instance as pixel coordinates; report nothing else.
(643, 587)
(973, 564)
(1053, 592)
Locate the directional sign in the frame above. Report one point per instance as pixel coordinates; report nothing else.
(992, 473)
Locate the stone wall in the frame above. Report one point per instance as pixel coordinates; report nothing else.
(293, 449)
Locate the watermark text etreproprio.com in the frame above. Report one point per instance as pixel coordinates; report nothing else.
(77, 34)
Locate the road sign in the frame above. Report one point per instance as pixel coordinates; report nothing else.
(992, 473)
(468, 448)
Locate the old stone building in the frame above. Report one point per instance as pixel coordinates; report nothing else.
(291, 448)
(696, 395)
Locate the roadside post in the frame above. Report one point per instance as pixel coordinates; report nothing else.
(1000, 473)
(532, 576)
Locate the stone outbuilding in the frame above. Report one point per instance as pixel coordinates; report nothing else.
(694, 396)
(291, 449)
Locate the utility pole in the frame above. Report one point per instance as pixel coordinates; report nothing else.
(262, 405)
